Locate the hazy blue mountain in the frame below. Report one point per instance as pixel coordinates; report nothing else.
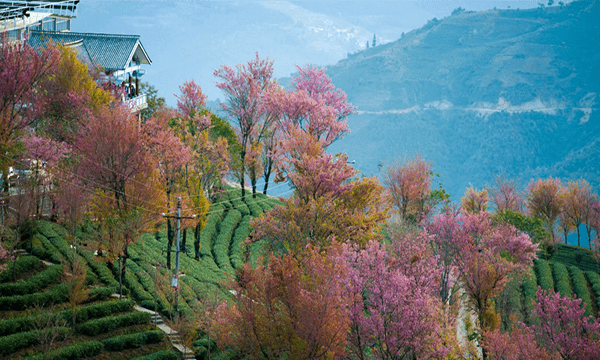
(508, 92)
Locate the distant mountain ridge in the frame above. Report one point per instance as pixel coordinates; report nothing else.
(508, 92)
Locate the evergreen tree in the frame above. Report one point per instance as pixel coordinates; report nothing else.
(367, 44)
(374, 40)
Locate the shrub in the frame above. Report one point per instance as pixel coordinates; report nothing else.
(26, 323)
(544, 274)
(118, 343)
(208, 234)
(103, 309)
(562, 283)
(35, 282)
(236, 199)
(99, 294)
(580, 289)
(11, 343)
(223, 240)
(106, 324)
(58, 294)
(594, 280)
(100, 268)
(44, 249)
(160, 355)
(529, 288)
(241, 233)
(76, 351)
(21, 266)
(137, 290)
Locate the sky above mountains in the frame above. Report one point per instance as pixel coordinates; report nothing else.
(189, 39)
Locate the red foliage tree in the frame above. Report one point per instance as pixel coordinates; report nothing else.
(394, 314)
(543, 201)
(505, 195)
(291, 308)
(244, 89)
(22, 70)
(409, 185)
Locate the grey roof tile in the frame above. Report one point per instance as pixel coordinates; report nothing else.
(112, 52)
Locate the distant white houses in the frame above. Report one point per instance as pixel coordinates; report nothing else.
(120, 56)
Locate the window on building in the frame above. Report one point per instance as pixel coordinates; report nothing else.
(63, 25)
(48, 25)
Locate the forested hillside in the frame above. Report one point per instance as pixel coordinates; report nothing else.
(511, 92)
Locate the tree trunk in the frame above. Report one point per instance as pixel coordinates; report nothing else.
(243, 171)
(197, 241)
(267, 175)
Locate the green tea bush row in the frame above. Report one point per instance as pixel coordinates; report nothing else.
(21, 266)
(580, 288)
(544, 274)
(45, 228)
(100, 269)
(562, 282)
(44, 249)
(11, 343)
(85, 313)
(240, 235)
(223, 240)
(106, 324)
(137, 290)
(203, 345)
(56, 295)
(529, 288)
(34, 283)
(147, 282)
(236, 199)
(255, 209)
(119, 343)
(208, 234)
(594, 280)
(99, 294)
(160, 355)
(79, 350)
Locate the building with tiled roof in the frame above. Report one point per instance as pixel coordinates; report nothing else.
(120, 56)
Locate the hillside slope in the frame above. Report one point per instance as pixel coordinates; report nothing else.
(511, 92)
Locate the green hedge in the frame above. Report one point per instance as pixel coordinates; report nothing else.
(85, 313)
(76, 351)
(223, 240)
(106, 324)
(118, 343)
(544, 274)
(255, 209)
(529, 288)
(580, 288)
(240, 235)
(160, 355)
(594, 280)
(34, 283)
(100, 268)
(12, 343)
(235, 197)
(207, 237)
(43, 248)
(137, 290)
(56, 295)
(562, 282)
(21, 266)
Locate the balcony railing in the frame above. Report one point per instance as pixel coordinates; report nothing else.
(137, 103)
